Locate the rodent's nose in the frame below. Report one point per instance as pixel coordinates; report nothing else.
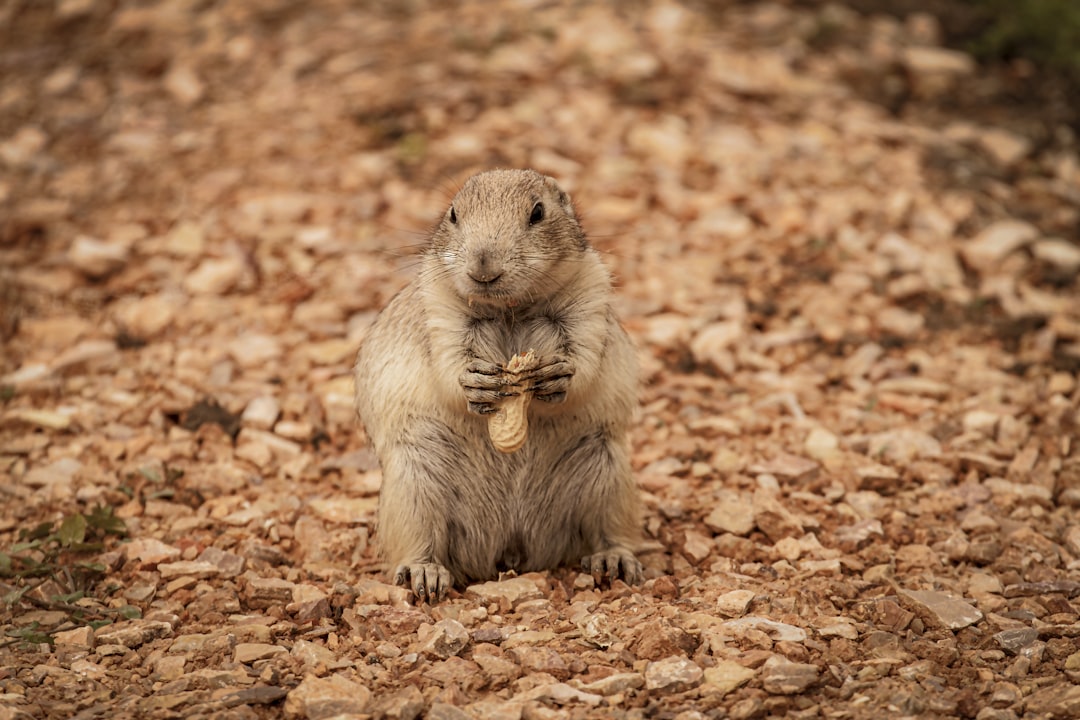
(485, 277)
(483, 268)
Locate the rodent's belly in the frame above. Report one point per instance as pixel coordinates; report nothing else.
(526, 509)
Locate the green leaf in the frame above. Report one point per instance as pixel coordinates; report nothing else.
(30, 635)
(72, 530)
(23, 546)
(98, 624)
(38, 532)
(70, 597)
(102, 518)
(5, 564)
(129, 612)
(151, 474)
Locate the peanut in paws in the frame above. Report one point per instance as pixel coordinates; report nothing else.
(508, 426)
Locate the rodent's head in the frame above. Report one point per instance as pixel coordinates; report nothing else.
(509, 238)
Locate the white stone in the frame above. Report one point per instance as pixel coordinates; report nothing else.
(735, 603)
(1061, 254)
(95, 257)
(261, 413)
(214, 276)
(995, 242)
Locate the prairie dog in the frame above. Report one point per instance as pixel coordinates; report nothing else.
(508, 269)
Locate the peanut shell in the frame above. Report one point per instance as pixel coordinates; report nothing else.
(509, 425)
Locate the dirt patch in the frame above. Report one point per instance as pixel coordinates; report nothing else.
(858, 324)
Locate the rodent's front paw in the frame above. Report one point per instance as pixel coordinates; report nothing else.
(486, 386)
(613, 563)
(429, 581)
(551, 380)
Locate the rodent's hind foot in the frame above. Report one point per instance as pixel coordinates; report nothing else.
(614, 563)
(429, 581)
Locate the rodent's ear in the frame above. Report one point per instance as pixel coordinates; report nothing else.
(565, 202)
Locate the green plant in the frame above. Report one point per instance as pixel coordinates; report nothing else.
(1045, 31)
(57, 553)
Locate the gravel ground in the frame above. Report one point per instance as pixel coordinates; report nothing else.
(858, 323)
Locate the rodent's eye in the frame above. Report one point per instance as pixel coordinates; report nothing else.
(537, 213)
(453, 216)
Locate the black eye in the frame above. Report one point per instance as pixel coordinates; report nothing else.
(453, 216)
(537, 213)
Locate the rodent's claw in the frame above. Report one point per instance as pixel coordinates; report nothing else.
(556, 367)
(429, 581)
(614, 563)
(482, 408)
(483, 367)
(554, 398)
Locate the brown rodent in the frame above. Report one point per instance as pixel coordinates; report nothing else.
(508, 269)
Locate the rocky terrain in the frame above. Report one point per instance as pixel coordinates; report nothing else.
(849, 260)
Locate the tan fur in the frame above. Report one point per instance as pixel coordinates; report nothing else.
(493, 283)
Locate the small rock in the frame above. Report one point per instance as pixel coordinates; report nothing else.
(1014, 640)
(309, 603)
(261, 413)
(1004, 147)
(786, 467)
(778, 631)
(996, 242)
(133, 633)
(230, 564)
(47, 419)
(150, 551)
(732, 513)
(186, 239)
(267, 592)
(311, 653)
(673, 674)
(344, 510)
(559, 694)
(941, 610)
(1061, 700)
(247, 653)
(821, 445)
(662, 639)
(215, 276)
(254, 350)
(149, 316)
(96, 258)
(61, 472)
(318, 698)
(902, 446)
(735, 603)
(851, 538)
(926, 61)
(1059, 254)
(22, 148)
(540, 659)
(724, 677)
(404, 704)
(613, 684)
(772, 518)
(189, 568)
(881, 478)
(839, 627)
(184, 85)
(983, 422)
(444, 711)
(512, 591)
(900, 322)
(697, 547)
(80, 637)
(170, 667)
(783, 677)
(712, 345)
(448, 638)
